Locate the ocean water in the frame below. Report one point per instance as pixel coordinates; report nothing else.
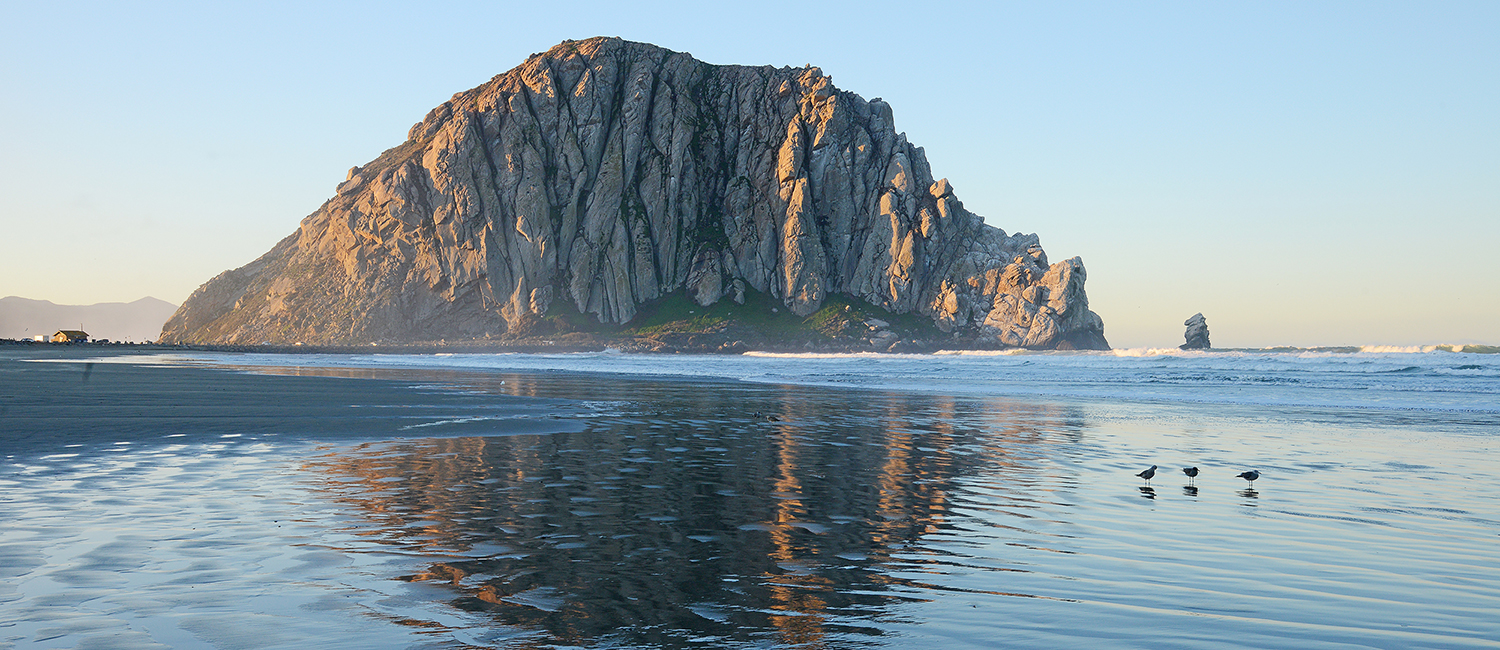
(767, 501)
(1422, 379)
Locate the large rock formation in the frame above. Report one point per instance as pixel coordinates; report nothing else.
(1196, 334)
(604, 174)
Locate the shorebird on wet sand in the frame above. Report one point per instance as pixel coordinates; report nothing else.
(1150, 472)
(1192, 473)
(1249, 476)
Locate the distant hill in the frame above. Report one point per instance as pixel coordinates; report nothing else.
(23, 318)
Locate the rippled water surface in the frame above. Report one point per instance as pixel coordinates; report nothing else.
(675, 513)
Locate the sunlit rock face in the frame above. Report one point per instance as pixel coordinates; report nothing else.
(603, 174)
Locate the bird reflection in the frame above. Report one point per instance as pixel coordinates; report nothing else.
(1249, 493)
(1148, 492)
(1190, 490)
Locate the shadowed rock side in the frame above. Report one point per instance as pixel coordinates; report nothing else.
(604, 174)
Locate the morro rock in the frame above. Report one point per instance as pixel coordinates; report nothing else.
(1196, 334)
(605, 174)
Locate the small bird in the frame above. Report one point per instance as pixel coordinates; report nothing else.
(1150, 472)
(1192, 473)
(1250, 476)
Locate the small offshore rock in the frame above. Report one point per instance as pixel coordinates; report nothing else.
(1197, 333)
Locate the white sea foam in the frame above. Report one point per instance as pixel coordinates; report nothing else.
(1398, 349)
(983, 353)
(1155, 352)
(828, 355)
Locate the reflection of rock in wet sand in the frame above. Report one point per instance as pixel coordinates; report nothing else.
(734, 526)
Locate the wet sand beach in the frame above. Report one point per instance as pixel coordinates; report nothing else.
(89, 396)
(298, 507)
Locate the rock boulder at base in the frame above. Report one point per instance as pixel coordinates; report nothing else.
(1197, 333)
(604, 174)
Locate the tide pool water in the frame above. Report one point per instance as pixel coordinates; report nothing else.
(932, 501)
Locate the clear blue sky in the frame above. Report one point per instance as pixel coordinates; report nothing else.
(1303, 173)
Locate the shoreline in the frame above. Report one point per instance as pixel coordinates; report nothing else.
(1056, 377)
(690, 345)
(669, 344)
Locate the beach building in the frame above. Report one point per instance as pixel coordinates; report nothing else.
(70, 336)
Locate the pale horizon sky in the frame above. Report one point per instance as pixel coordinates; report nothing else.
(1302, 173)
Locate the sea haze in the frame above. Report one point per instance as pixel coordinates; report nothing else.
(676, 501)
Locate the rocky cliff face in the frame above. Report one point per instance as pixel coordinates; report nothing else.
(604, 174)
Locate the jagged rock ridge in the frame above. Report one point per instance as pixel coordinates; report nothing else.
(603, 174)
